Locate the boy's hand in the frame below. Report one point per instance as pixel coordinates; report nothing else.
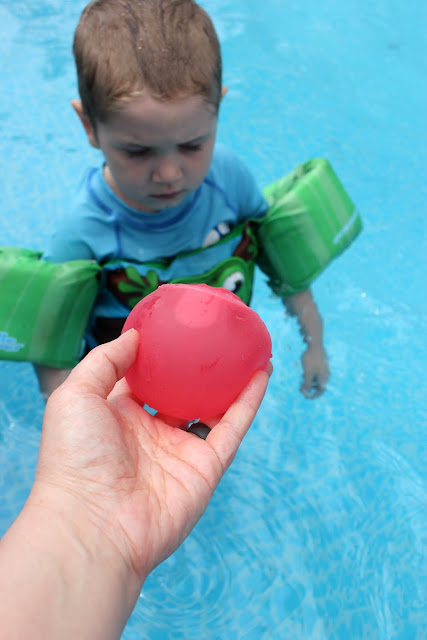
(315, 371)
(314, 359)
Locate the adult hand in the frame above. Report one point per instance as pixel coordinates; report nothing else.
(116, 491)
(143, 482)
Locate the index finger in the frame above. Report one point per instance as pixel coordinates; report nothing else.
(226, 436)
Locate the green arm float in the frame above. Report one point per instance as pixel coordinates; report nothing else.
(44, 307)
(310, 221)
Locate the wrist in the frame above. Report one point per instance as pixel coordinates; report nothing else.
(86, 526)
(314, 344)
(84, 570)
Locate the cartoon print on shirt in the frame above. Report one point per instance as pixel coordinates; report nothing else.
(219, 231)
(234, 273)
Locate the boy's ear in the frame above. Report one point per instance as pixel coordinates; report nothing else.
(90, 133)
(224, 91)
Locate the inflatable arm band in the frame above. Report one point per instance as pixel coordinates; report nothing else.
(44, 307)
(310, 221)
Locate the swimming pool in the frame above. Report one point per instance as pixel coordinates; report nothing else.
(318, 531)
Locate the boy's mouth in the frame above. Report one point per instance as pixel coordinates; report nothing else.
(167, 196)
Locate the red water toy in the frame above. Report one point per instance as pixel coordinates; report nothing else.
(199, 346)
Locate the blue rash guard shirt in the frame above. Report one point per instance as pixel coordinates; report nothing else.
(101, 227)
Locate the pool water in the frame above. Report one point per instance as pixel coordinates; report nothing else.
(318, 531)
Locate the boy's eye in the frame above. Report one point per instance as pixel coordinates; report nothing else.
(137, 152)
(146, 151)
(190, 147)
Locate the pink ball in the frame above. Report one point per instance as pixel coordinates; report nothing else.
(199, 346)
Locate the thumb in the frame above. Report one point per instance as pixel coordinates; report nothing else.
(103, 367)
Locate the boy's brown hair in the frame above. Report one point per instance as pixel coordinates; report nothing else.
(167, 47)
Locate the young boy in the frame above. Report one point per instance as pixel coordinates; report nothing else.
(166, 203)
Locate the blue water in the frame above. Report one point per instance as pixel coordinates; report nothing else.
(318, 531)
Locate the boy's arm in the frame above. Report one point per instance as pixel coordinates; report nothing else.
(314, 359)
(50, 378)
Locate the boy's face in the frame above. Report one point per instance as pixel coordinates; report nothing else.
(156, 152)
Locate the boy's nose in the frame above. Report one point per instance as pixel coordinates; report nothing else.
(167, 170)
